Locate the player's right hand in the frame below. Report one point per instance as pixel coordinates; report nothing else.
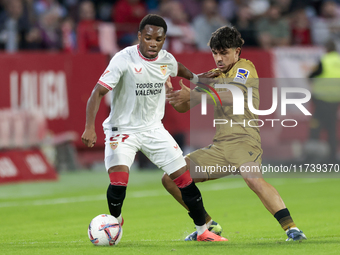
(89, 137)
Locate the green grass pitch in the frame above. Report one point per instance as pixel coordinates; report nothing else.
(52, 217)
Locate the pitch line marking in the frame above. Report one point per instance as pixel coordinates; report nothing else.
(135, 194)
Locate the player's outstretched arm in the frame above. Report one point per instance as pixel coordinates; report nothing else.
(206, 77)
(89, 136)
(184, 72)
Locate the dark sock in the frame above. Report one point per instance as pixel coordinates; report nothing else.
(285, 220)
(193, 200)
(207, 217)
(115, 197)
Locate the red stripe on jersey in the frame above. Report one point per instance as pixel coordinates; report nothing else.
(105, 85)
(146, 59)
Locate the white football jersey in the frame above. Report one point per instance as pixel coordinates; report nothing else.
(138, 86)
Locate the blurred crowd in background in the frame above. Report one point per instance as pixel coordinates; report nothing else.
(79, 26)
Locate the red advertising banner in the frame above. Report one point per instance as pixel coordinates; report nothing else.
(56, 84)
(24, 165)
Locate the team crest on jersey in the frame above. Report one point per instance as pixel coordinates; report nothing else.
(114, 145)
(241, 75)
(163, 69)
(107, 71)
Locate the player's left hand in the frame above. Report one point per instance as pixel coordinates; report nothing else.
(168, 86)
(209, 74)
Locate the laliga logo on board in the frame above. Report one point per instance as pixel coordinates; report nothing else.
(46, 90)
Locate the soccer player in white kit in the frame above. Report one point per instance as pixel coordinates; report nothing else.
(137, 75)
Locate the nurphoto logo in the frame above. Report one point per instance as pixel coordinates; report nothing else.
(238, 104)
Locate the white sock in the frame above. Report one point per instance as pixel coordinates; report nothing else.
(292, 228)
(120, 219)
(201, 229)
(209, 223)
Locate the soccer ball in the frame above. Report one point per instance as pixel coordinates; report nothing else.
(105, 230)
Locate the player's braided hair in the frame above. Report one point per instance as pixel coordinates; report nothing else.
(225, 37)
(153, 19)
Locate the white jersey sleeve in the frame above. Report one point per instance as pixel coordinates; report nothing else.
(174, 65)
(114, 71)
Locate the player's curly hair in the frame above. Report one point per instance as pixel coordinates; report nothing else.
(153, 19)
(225, 37)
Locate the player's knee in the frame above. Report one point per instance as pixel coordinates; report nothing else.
(119, 168)
(166, 181)
(180, 172)
(255, 184)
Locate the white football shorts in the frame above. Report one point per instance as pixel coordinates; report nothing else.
(157, 144)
